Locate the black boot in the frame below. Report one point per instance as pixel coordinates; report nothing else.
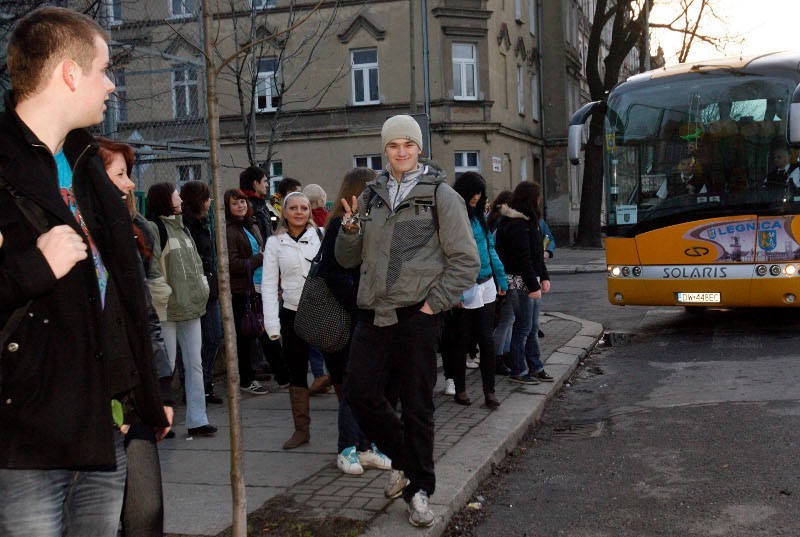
(211, 397)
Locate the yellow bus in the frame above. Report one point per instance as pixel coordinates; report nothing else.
(702, 183)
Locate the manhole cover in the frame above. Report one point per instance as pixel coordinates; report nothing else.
(576, 431)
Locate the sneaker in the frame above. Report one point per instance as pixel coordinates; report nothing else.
(348, 461)
(395, 484)
(541, 376)
(419, 514)
(523, 379)
(255, 388)
(473, 363)
(213, 399)
(374, 458)
(450, 387)
(203, 430)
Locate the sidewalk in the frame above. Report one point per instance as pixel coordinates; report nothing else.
(573, 260)
(306, 483)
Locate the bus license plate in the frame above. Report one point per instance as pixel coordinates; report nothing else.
(698, 298)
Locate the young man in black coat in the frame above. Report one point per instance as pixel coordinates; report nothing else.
(76, 357)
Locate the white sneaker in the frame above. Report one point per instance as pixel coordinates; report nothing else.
(374, 458)
(348, 461)
(473, 364)
(419, 514)
(395, 484)
(450, 387)
(255, 388)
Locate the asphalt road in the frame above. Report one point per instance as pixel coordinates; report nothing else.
(690, 427)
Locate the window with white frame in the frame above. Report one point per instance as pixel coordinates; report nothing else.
(535, 97)
(189, 172)
(120, 96)
(465, 71)
(184, 92)
(263, 4)
(523, 169)
(275, 174)
(114, 11)
(518, 10)
(532, 16)
(181, 8)
(266, 85)
(467, 161)
(520, 91)
(374, 162)
(364, 73)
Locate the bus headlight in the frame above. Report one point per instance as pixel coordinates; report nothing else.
(637, 271)
(761, 270)
(774, 270)
(615, 271)
(618, 297)
(790, 270)
(789, 297)
(626, 271)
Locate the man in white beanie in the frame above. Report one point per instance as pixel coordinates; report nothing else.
(417, 256)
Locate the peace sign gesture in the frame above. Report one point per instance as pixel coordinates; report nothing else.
(349, 219)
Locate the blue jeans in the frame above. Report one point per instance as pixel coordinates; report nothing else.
(316, 361)
(502, 334)
(525, 353)
(52, 503)
(211, 325)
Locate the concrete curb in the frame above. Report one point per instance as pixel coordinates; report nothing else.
(576, 269)
(469, 462)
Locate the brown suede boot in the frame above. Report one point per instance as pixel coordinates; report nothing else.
(301, 416)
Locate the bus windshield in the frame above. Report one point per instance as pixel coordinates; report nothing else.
(696, 145)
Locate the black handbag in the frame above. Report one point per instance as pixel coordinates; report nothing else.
(321, 320)
(252, 324)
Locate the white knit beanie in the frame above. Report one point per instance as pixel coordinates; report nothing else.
(402, 126)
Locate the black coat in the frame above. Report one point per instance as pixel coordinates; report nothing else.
(520, 246)
(69, 354)
(201, 233)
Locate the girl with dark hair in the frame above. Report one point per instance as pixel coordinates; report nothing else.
(196, 198)
(356, 452)
(521, 248)
(475, 313)
(494, 212)
(246, 247)
(182, 267)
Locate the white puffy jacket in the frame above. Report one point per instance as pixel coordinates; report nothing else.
(287, 262)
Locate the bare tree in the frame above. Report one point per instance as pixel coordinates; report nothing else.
(626, 18)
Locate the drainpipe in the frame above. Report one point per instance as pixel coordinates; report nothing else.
(412, 58)
(540, 81)
(426, 74)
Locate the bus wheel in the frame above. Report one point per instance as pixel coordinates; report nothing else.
(695, 310)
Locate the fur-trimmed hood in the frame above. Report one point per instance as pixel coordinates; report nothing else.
(507, 211)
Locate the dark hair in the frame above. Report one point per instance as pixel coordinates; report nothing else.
(494, 212)
(527, 199)
(159, 200)
(353, 184)
(194, 195)
(237, 194)
(109, 148)
(467, 185)
(287, 184)
(250, 176)
(43, 37)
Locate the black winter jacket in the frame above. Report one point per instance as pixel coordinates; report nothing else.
(200, 231)
(68, 351)
(520, 246)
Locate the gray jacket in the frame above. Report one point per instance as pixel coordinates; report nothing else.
(404, 260)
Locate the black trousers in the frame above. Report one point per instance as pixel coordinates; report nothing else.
(403, 355)
(295, 350)
(461, 325)
(245, 347)
(143, 507)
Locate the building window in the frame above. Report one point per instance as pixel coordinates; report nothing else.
(266, 85)
(523, 169)
(114, 11)
(189, 172)
(520, 91)
(467, 161)
(184, 92)
(369, 161)
(532, 16)
(275, 174)
(465, 71)
(263, 4)
(364, 69)
(181, 8)
(120, 96)
(518, 10)
(535, 97)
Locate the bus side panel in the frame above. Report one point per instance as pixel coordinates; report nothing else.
(777, 244)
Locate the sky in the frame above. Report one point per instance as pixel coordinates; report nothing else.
(764, 25)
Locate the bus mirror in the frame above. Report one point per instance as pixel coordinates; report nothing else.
(576, 123)
(794, 118)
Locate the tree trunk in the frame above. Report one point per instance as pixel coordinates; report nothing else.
(238, 492)
(589, 224)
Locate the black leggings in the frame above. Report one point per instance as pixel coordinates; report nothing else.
(295, 350)
(143, 507)
(461, 325)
